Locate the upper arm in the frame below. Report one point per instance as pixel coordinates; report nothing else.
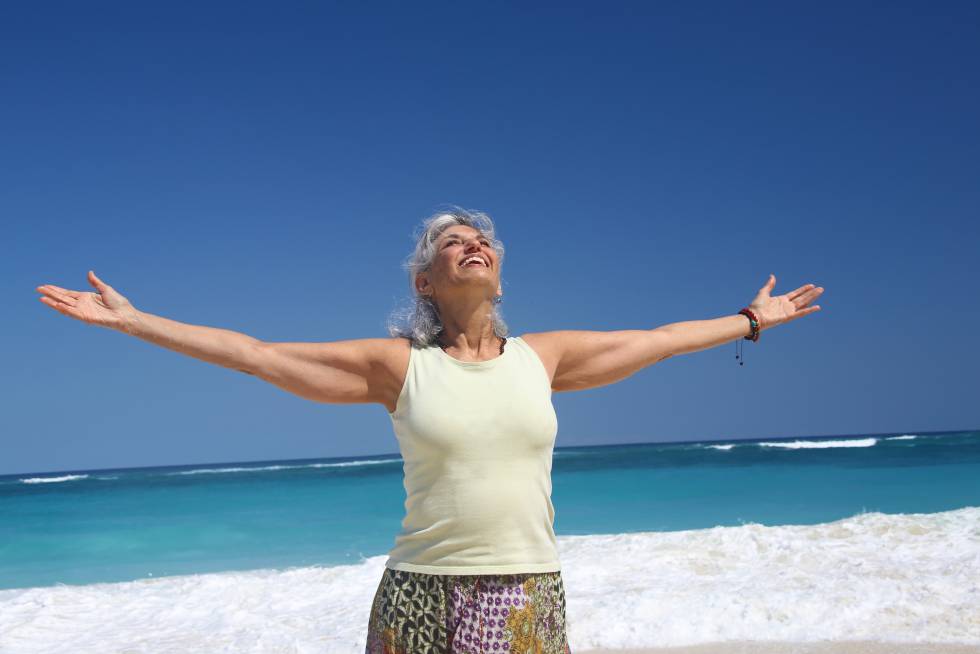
(338, 372)
(579, 360)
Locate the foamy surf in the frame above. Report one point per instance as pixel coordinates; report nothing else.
(898, 578)
(800, 444)
(340, 464)
(52, 480)
(814, 445)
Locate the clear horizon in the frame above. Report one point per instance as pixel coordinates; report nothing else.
(557, 447)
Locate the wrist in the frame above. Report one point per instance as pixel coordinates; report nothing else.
(755, 324)
(131, 322)
(747, 332)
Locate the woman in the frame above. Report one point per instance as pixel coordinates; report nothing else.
(475, 567)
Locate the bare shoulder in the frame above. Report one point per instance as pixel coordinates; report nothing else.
(547, 345)
(347, 371)
(393, 356)
(581, 359)
(396, 352)
(385, 365)
(362, 355)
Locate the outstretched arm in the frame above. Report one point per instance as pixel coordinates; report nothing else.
(589, 359)
(340, 372)
(696, 335)
(108, 308)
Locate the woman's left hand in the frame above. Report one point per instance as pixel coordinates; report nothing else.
(772, 311)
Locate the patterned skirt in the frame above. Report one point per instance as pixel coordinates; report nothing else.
(415, 613)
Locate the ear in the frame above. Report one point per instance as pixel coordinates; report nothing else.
(421, 283)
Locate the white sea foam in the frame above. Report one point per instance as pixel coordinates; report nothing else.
(341, 464)
(804, 445)
(808, 444)
(51, 480)
(911, 578)
(899, 578)
(344, 464)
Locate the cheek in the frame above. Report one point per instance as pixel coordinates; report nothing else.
(444, 267)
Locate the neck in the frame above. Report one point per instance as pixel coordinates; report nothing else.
(476, 345)
(469, 330)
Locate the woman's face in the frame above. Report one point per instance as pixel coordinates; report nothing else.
(464, 258)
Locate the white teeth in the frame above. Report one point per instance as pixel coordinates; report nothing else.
(469, 259)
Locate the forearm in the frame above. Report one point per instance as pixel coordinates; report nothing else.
(223, 347)
(695, 335)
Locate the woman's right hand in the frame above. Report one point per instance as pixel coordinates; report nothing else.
(106, 307)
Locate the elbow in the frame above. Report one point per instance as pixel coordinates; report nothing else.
(254, 359)
(667, 343)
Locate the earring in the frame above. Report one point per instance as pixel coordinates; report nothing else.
(498, 299)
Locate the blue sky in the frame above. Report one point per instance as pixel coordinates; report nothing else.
(261, 168)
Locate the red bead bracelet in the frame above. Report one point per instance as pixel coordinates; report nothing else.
(754, 336)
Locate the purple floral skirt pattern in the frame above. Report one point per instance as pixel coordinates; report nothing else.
(415, 613)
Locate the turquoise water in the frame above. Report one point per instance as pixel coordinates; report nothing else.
(82, 527)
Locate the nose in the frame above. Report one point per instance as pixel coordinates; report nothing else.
(474, 241)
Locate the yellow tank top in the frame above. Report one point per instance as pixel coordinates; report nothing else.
(476, 439)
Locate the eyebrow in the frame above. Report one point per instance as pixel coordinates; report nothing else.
(460, 236)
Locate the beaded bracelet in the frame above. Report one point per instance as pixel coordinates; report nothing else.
(754, 336)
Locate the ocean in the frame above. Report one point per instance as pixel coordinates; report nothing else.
(800, 539)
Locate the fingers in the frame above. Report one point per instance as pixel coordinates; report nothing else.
(764, 291)
(65, 291)
(804, 295)
(54, 304)
(95, 281)
(803, 312)
(807, 297)
(60, 307)
(807, 311)
(792, 295)
(60, 294)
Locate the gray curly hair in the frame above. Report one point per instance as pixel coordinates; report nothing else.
(419, 321)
